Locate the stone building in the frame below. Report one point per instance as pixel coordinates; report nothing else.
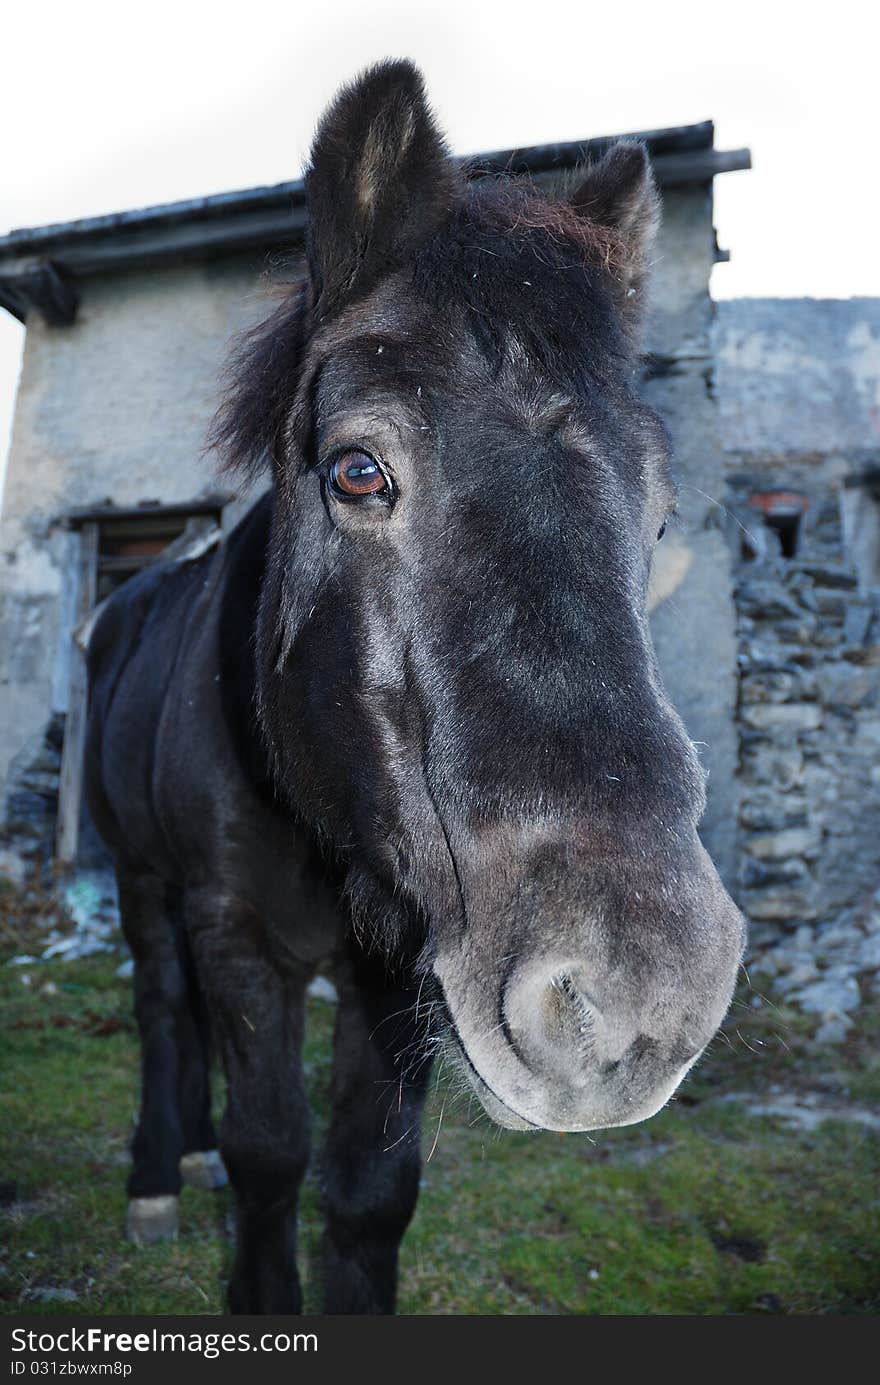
(128, 322)
(765, 591)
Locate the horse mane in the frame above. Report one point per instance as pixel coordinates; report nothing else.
(258, 379)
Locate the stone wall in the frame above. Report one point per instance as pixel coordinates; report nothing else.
(798, 385)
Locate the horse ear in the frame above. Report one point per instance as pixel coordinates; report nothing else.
(380, 182)
(619, 194)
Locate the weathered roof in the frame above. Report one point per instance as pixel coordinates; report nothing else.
(40, 267)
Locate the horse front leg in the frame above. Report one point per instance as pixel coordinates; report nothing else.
(372, 1161)
(160, 996)
(257, 1012)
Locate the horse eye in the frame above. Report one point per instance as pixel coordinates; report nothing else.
(356, 474)
(662, 530)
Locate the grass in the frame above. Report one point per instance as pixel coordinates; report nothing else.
(704, 1210)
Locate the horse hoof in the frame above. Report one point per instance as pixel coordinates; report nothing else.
(151, 1219)
(204, 1169)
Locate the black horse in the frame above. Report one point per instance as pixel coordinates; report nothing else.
(408, 716)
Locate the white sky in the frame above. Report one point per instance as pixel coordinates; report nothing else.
(105, 106)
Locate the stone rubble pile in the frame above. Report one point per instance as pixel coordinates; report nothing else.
(27, 835)
(809, 827)
(828, 970)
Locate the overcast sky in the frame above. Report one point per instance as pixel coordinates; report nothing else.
(109, 106)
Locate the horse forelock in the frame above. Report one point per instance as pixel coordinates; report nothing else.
(517, 208)
(529, 270)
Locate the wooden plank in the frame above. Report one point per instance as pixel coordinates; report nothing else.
(146, 513)
(178, 541)
(128, 563)
(122, 530)
(72, 757)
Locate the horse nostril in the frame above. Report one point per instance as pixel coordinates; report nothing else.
(574, 1006)
(551, 1021)
(554, 1020)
